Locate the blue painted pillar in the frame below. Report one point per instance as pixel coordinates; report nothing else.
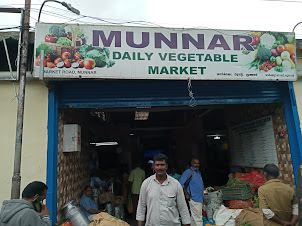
(52, 155)
(293, 127)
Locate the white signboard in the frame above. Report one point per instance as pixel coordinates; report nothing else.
(253, 143)
(120, 52)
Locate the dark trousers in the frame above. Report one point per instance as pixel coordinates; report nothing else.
(135, 198)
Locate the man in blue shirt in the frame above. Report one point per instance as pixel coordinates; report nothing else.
(87, 204)
(193, 187)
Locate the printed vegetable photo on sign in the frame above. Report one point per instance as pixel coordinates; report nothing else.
(273, 51)
(68, 49)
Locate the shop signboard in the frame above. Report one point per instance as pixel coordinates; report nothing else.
(127, 52)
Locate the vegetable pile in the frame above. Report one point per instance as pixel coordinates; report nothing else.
(57, 34)
(88, 57)
(273, 50)
(255, 201)
(98, 54)
(235, 181)
(78, 55)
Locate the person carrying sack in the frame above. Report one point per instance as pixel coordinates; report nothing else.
(193, 187)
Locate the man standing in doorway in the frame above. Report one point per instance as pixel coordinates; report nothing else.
(277, 200)
(162, 197)
(136, 178)
(193, 187)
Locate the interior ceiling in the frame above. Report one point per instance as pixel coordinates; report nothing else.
(162, 121)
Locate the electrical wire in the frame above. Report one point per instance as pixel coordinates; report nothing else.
(109, 21)
(121, 23)
(53, 14)
(9, 28)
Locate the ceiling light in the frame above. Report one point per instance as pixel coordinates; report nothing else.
(215, 135)
(141, 115)
(131, 134)
(108, 143)
(216, 138)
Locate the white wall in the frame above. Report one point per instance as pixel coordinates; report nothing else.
(298, 94)
(34, 149)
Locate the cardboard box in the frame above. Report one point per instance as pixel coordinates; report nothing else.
(119, 200)
(106, 197)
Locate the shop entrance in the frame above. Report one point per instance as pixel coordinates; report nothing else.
(106, 112)
(113, 139)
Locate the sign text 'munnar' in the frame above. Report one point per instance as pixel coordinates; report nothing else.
(217, 41)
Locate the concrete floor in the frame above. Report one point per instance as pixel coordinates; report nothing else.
(131, 222)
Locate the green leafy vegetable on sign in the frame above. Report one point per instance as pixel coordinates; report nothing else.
(100, 55)
(42, 47)
(64, 41)
(57, 31)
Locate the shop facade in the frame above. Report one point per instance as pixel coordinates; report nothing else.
(146, 69)
(138, 93)
(243, 100)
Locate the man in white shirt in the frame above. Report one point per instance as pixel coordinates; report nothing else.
(162, 197)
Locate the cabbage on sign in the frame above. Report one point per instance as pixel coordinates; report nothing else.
(119, 52)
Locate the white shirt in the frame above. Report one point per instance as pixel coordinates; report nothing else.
(163, 203)
(269, 214)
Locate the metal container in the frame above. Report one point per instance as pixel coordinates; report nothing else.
(75, 214)
(119, 212)
(109, 208)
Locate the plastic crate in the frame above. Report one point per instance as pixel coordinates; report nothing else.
(238, 192)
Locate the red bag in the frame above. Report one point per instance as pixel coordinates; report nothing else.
(244, 176)
(258, 180)
(255, 178)
(240, 204)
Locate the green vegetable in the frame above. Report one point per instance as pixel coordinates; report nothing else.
(110, 63)
(264, 53)
(44, 47)
(279, 68)
(291, 38)
(255, 63)
(86, 48)
(278, 60)
(235, 181)
(64, 41)
(57, 31)
(100, 55)
(272, 59)
(79, 32)
(281, 38)
(255, 201)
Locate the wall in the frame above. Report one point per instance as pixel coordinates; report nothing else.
(237, 114)
(73, 167)
(298, 94)
(34, 149)
(298, 83)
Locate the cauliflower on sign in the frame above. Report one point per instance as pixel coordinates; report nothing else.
(267, 40)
